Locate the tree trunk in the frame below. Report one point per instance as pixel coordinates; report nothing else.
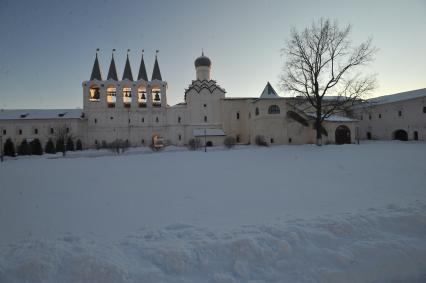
(318, 125)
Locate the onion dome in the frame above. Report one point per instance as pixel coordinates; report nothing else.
(202, 61)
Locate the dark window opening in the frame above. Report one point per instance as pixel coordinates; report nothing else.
(272, 140)
(143, 120)
(96, 142)
(179, 119)
(289, 140)
(424, 109)
(205, 118)
(36, 131)
(400, 135)
(20, 131)
(143, 141)
(238, 115)
(112, 118)
(369, 117)
(416, 136)
(238, 139)
(257, 111)
(96, 120)
(179, 137)
(399, 113)
(274, 109)
(209, 143)
(129, 121)
(368, 135)
(52, 131)
(68, 130)
(156, 119)
(380, 116)
(4, 132)
(205, 105)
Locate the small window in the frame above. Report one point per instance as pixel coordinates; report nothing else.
(36, 131)
(156, 119)
(274, 109)
(368, 135)
(52, 131)
(96, 142)
(179, 137)
(4, 132)
(399, 113)
(369, 117)
(257, 111)
(68, 130)
(179, 119)
(205, 118)
(289, 140)
(238, 139)
(380, 116)
(129, 121)
(111, 118)
(143, 141)
(362, 118)
(272, 140)
(20, 131)
(238, 115)
(96, 120)
(424, 109)
(143, 120)
(205, 105)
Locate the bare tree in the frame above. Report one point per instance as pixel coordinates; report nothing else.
(62, 134)
(320, 61)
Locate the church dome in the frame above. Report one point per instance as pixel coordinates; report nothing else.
(202, 61)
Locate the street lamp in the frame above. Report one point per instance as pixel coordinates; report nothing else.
(205, 140)
(1, 147)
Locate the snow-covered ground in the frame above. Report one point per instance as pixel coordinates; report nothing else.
(350, 213)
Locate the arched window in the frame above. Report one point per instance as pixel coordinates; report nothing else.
(205, 119)
(111, 95)
(274, 109)
(142, 96)
(179, 119)
(127, 96)
(95, 93)
(256, 112)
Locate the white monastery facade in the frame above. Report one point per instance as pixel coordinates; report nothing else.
(135, 109)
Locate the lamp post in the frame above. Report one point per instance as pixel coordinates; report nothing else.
(1, 147)
(205, 140)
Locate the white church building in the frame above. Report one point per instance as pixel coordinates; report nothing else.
(135, 109)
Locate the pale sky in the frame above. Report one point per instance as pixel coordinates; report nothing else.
(47, 48)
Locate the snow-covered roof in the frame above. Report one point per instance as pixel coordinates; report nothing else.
(398, 96)
(28, 114)
(334, 118)
(207, 132)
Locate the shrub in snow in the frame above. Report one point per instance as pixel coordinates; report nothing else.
(9, 148)
(60, 145)
(36, 147)
(118, 146)
(260, 140)
(50, 147)
(24, 148)
(70, 145)
(194, 144)
(78, 145)
(229, 142)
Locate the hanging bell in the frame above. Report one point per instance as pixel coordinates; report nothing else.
(157, 97)
(143, 96)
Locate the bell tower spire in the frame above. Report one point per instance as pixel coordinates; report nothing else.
(156, 74)
(142, 70)
(127, 70)
(96, 70)
(112, 72)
